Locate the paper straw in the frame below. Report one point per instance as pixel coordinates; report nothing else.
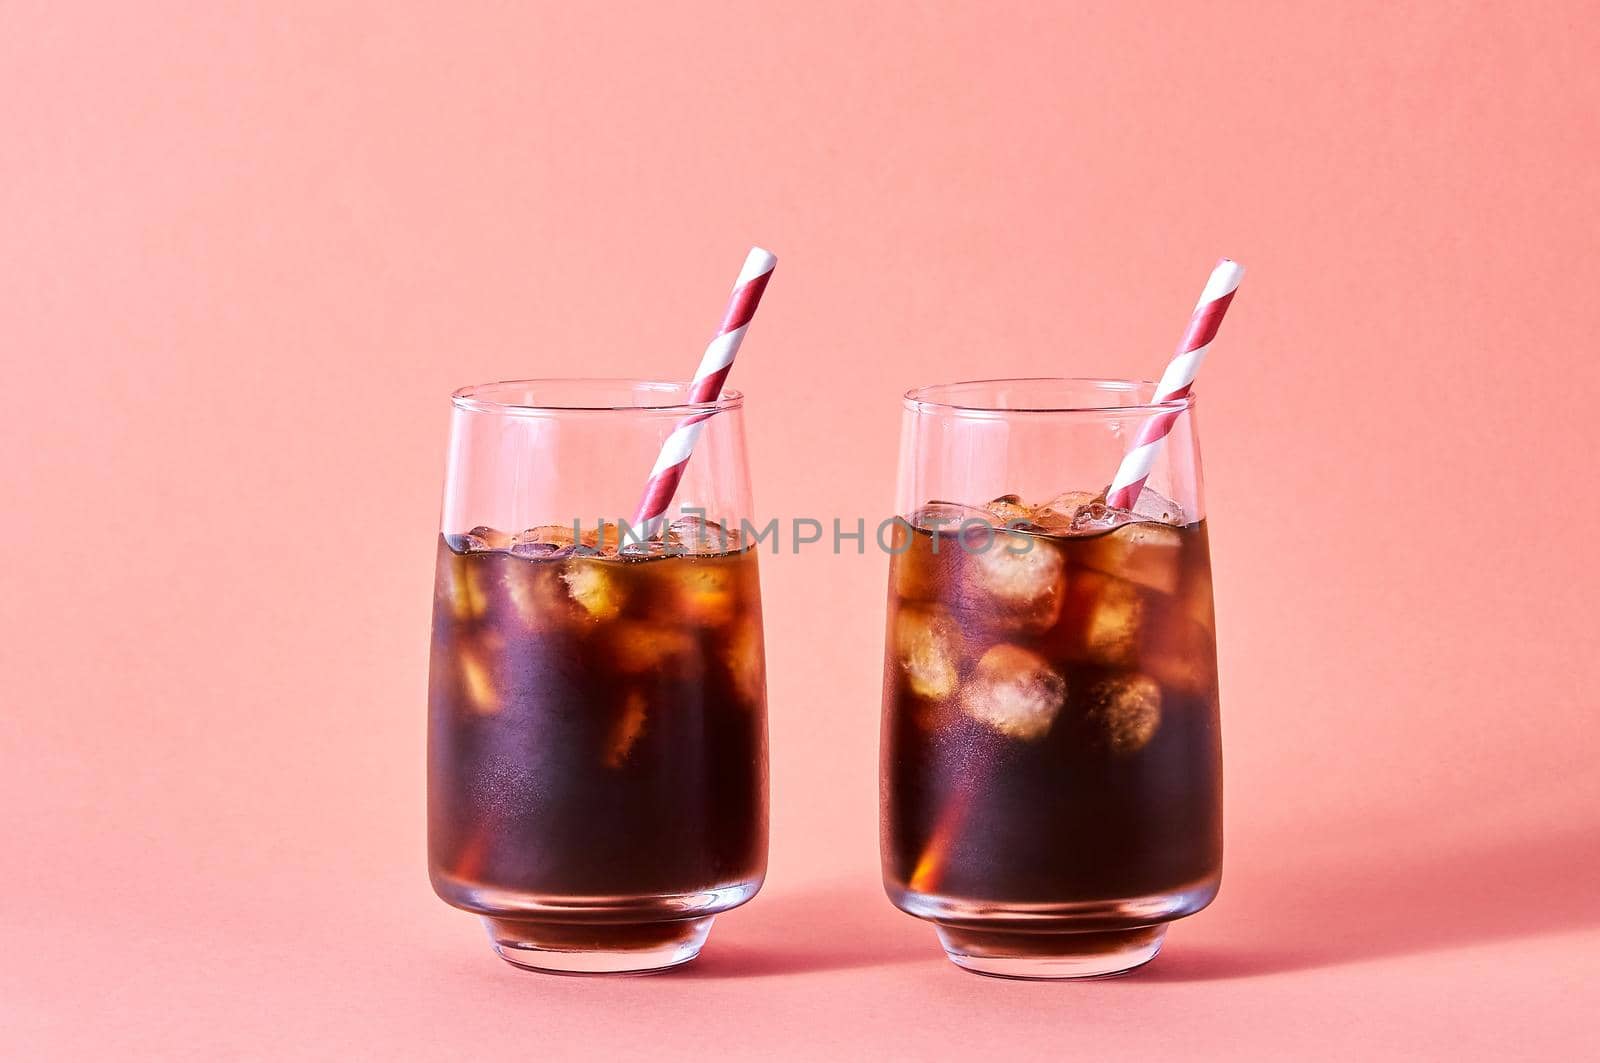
(706, 387)
(1175, 383)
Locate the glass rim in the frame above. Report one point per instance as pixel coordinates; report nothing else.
(475, 397)
(927, 397)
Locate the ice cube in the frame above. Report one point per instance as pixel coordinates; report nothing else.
(1197, 597)
(604, 539)
(1150, 555)
(649, 548)
(627, 729)
(696, 535)
(1180, 652)
(950, 517)
(546, 541)
(458, 586)
(746, 661)
(594, 585)
(1115, 610)
(1056, 516)
(706, 592)
(1017, 578)
(928, 644)
(539, 551)
(477, 682)
(555, 534)
(1097, 517)
(484, 537)
(469, 543)
(1125, 710)
(1009, 509)
(1014, 691)
(640, 646)
(1152, 505)
(919, 563)
(535, 592)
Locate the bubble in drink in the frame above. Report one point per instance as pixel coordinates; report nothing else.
(1019, 578)
(1014, 691)
(1126, 710)
(929, 644)
(595, 587)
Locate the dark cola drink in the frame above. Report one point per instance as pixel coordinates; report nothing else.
(1051, 751)
(597, 742)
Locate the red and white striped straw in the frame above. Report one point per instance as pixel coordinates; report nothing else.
(1175, 383)
(706, 387)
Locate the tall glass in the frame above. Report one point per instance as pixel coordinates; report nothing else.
(597, 750)
(1051, 761)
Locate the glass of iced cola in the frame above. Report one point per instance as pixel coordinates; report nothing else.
(1051, 762)
(597, 744)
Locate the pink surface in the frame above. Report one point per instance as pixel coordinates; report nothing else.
(247, 255)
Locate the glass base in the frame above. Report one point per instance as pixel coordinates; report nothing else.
(1063, 939)
(569, 948)
(1051, 955)
(595, 934)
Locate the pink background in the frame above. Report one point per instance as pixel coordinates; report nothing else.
(245, 255)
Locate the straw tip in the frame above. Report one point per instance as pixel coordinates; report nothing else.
(1225, 277)
(757, 262)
